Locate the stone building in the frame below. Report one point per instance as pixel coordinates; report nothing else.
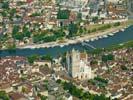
(77, 65)
(130, 5)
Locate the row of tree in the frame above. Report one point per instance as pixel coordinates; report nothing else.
(80, 93)
(20, 35)
(33, 58)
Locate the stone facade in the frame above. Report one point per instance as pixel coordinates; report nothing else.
(77, 65)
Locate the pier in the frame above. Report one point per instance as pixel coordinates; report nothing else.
(87, 44)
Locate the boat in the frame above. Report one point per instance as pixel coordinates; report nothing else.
(105, 36)
(123, 30)
(92, 39)
(100, 37)
(61, 46)
(87, 40)
(111, 34)
(117, 31)
(97, 38)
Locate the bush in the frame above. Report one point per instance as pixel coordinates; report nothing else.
(4, 96)
(124, 67)
(63, 14)
(73, 90)
(101, 79)
(94, 30)
(105, 58)
(32, 58)
(117, 24)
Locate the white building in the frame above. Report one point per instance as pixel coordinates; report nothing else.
(77, 65)
(19, 0)
(130, 6)
(73, 3)
(43, 63)
(113, 1)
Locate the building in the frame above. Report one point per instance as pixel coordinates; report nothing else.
(117, 10)
(130, 6)
(72, 3)
(43, 63)
(114, 1)
(77, 65)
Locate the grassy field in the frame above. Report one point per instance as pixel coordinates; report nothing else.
(96, 26)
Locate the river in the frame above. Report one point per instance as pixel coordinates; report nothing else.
(117, 38)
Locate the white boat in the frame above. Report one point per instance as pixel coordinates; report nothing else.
(87, 40)
(32, 48)
(125, 27)
(105, 36)
(61, 46)
(111, 34)
(123, 30)
(100, 37)
(97, 38)
(116, 31)
(92, 39)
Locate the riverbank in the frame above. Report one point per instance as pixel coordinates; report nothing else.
(125, 45)
(78, 39)
(119, 38)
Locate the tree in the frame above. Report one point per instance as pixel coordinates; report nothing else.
(4, 96)
(105, 58)
(100, 97)
(63, 14)
(86, 95)
(24, 90)
(5, 5)
(32, 58)
(95, 19)
(101, 80)
(42, 97)
(46, 57)
(72, 29)
(58, 81)
(26, 32)
(15, 29)
(19, 36)
(79, 93)
(81, 30)
(12, 12)
(4, 13)
(124, 67)
(117, 24)
(94, 30)
(93, 62)
(79, 16)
